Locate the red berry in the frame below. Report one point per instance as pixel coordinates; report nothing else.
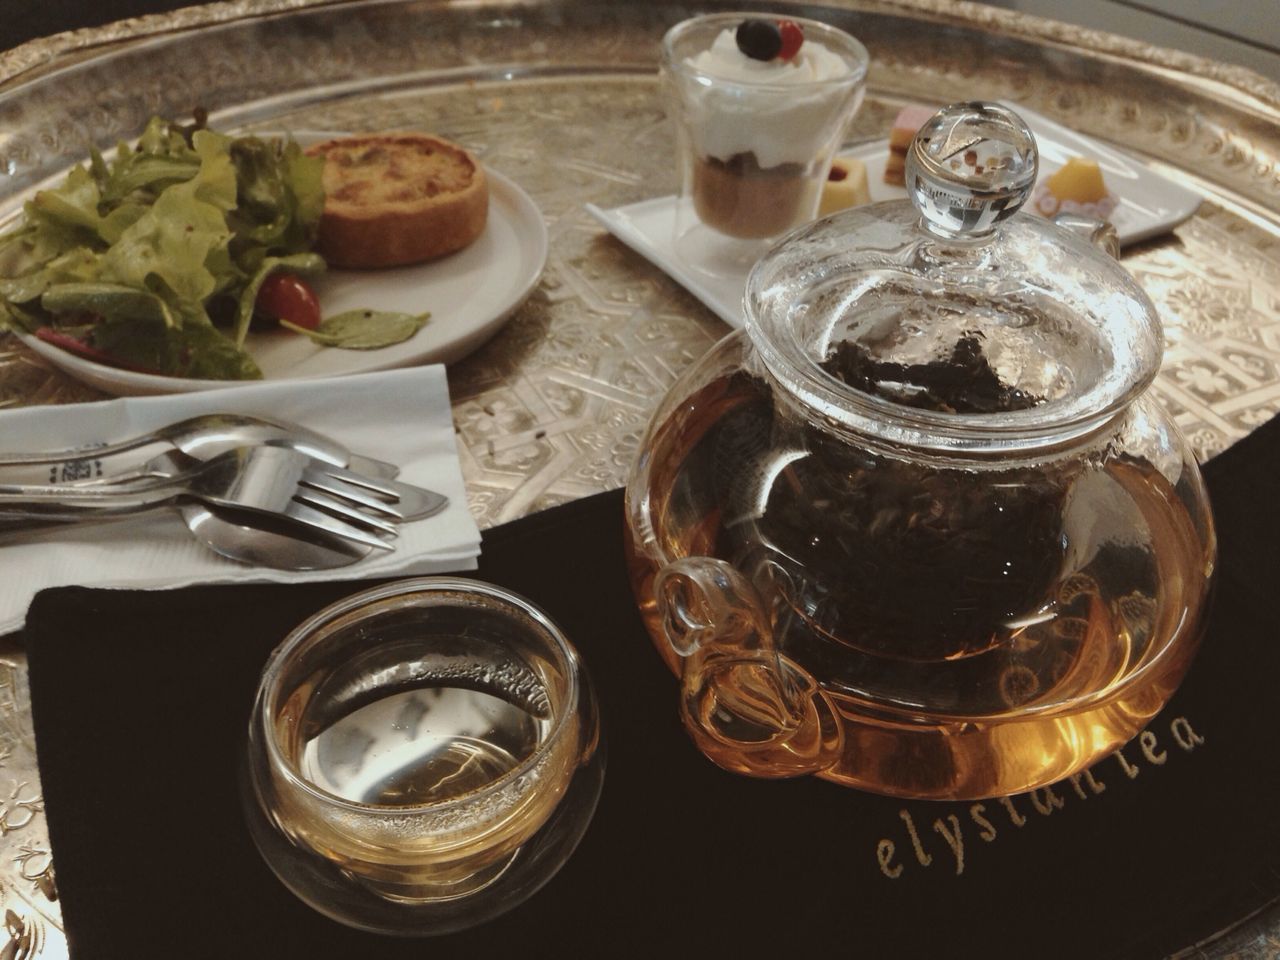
(792, 38)
(284, 296)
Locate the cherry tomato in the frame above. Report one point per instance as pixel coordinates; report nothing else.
(285, 296)
(792, 38)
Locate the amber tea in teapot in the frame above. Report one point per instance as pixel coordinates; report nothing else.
(917, 529)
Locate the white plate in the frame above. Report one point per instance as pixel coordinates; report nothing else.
(470, 295)
(1149, 205)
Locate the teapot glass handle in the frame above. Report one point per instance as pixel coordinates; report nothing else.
(748, 708)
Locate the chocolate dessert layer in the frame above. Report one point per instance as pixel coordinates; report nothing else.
(740, 199)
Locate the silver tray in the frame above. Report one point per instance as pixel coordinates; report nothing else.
(562, 97)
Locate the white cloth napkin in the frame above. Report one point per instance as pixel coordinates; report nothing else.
(401, 416)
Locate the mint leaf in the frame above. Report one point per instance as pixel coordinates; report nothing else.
(363, 329)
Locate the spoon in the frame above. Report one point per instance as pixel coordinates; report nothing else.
(258, 545)
(208, 435)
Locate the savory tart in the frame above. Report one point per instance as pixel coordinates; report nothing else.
(398, 198)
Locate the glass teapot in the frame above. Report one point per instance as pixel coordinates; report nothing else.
(918, 528)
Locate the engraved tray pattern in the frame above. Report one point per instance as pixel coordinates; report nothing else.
(562, 98)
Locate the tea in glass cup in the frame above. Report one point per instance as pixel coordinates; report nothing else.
(422, 756)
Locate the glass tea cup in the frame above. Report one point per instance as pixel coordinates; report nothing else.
(422, 756)
(755, 138)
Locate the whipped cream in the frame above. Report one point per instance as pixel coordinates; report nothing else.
(813, 63)
(783, 111)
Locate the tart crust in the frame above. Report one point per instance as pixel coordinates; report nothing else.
(398, 198)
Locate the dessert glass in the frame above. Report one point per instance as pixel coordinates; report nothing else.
(422, 756)
(755, 139)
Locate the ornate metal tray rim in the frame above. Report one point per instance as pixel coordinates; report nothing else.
(41, 55)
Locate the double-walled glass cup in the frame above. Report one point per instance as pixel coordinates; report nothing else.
(755, 138)
(422, 756)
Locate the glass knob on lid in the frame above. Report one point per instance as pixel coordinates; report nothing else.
(971, 166)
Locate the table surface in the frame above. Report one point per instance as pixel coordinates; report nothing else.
(563, 99)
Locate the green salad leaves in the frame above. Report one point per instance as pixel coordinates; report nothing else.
(153, 260)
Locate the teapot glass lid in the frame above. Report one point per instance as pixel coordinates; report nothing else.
(954, 320)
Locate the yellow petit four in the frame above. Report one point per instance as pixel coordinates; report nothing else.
(846, 186)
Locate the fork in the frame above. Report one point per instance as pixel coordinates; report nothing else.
(382, 495)
(275, 481)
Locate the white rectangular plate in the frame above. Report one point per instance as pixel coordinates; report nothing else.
(1149, 205)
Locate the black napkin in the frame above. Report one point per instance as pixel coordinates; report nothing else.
(140, 705)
